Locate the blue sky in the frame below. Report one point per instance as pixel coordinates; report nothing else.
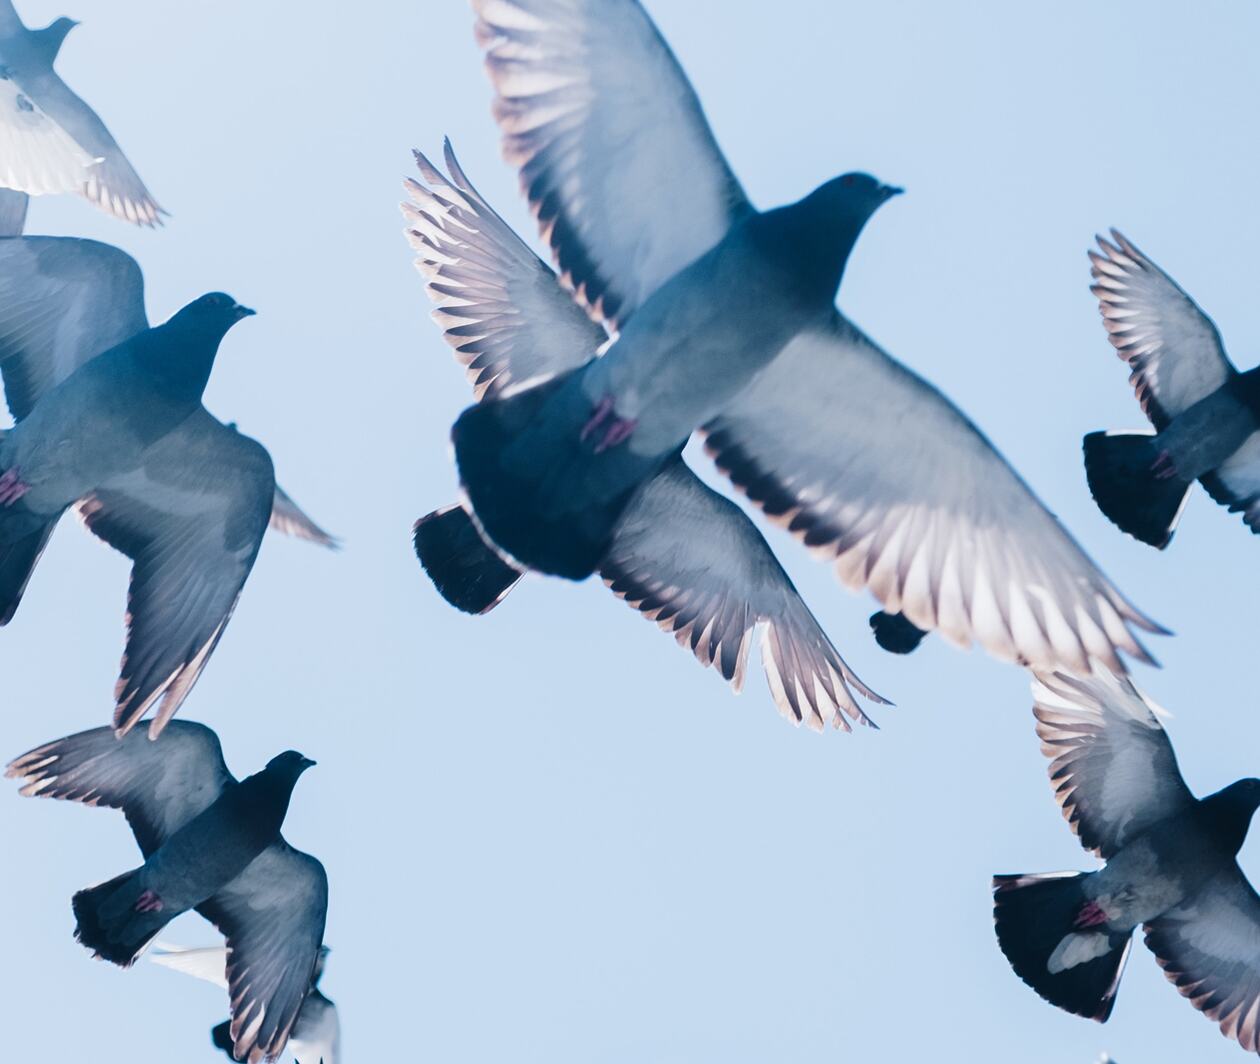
(551, 836)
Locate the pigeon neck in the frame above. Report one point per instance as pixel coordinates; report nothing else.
(1228, 814)
(268, 793)
(179, 359)
(817, 243)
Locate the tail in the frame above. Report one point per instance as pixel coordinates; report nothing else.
(540, 493)
(896, 633)
(13, 206)
(467, 572)
(221, 1036)
(1044, 927)
(17, 562)
(1119, 469)
(119, 918)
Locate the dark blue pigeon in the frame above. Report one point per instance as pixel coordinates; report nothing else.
(1170, 869)
(50, 140)
(110, 422)
(210, 844)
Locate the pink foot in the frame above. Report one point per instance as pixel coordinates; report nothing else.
(616, 429)
(1091, 915)
(12, 487)
(1164, 467)
(149, 902)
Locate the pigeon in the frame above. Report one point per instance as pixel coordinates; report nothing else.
(316, 1036)
(1170, 866)
(13, 207)
(210, 844)
(50, 140)
(110, 422)
(719, 319)
(501, 307)
(1206, 414)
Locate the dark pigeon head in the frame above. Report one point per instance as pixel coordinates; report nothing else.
(50, 38)
(852, 197)
(290, 764)
(214, 313)
(1230, 811)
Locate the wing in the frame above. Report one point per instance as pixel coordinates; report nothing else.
(191, 519)
(1209, 946)
(208, 963)
(289, 518)
(1112, 767)
(498, 305)
(112, 184)
(615, 154)
(62, 302)
(1172, 347)
(10, 24)
(272, 916)
(690, 560)
(870, 465)
(37, 156)
(159, 786)
(1235, 484)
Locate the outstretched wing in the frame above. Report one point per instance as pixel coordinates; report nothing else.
(62, 302)
(1112, 767)
(615, 154)
(870, 465)
(37, 156)
(1172, 347)
(498, 305)
(692, 561)
(159, 786)
(191, 518)
(291, 520)
(272, 916)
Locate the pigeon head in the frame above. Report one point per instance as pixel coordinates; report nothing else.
(321, 959)
(852, 197)
(214, 313)
(289, 764)
(50, 38)
(1231, 810)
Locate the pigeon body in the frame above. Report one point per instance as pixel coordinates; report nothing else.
(210, 843)
(1170, 867)
(110, 421)
(50, 140)
(1206, 414)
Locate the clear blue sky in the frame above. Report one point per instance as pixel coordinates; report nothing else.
(551, 836)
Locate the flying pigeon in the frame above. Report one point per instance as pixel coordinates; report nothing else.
(719, 318)
(210, 844)
(316, 1036)
(1206, 414)
(681, 554)
(50, 140)
(110, 422)
(1170, 866)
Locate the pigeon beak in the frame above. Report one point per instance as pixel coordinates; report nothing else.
(891, 190)
(306, 761)
(244, 312)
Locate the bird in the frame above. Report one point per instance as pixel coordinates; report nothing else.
(50, 140)
(1170, 865)
(1206, 414)
(316, 1035)
(719, 320)
(211, 844)
(110, 422)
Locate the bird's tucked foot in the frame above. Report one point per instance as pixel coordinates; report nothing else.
(1091, 915)
(1164, 467)
(12, 487)
(149, 902)
(616, 430)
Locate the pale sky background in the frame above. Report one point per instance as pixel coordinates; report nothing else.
(551, 836)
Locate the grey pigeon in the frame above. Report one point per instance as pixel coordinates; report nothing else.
(718, 318)
(1206, 414)
(50, 140)
(316, 1036)
(110, 421)
(1170, 867)
(210, 844)
(681, 554)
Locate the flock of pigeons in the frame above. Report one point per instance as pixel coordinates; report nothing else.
(675, 307)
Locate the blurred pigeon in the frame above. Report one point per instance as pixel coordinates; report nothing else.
(50, 140)
(1206, 414)
(680, 553)
(316, 1036)
(110, 421)
(1170, 866)
(210, 843)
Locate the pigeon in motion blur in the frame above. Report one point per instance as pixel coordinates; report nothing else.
(716, 317)
(50, 140)
(681, 554)
(110, 421)
(316, 1036)
(211, 844)
(1206, 414)
(1170, 866)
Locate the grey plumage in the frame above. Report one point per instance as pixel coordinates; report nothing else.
(50, 140)
(110, 422)
(211, 844)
